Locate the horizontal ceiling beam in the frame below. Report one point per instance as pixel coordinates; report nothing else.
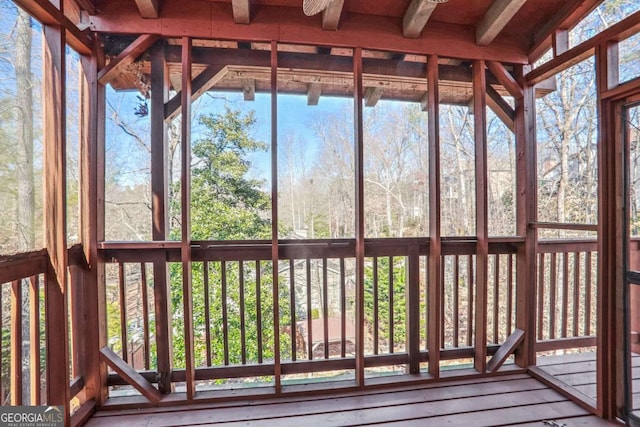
(416, 17)
(331, 15)
(212, 20)
(314, 91)
(149, 8)
(372, 95)
(241, 11)
(495, 19)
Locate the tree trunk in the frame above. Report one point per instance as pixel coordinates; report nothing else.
(25, 215)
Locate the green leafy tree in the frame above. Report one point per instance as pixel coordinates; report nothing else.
(227, 204)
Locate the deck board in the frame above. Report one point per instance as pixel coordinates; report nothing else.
(503, 400)
(579, 371)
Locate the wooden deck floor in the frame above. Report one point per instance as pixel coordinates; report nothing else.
(515, 399)
(579, 371)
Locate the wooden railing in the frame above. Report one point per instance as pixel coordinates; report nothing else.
(22, 292)
(234, 306)
(34, 333)
(566, 291)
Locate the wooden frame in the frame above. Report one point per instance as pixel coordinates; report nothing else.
(59, 31)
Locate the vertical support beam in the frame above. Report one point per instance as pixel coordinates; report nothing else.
(160, 213)
(413, 306)
(434, 286)
(92, 223)
(526, 213)
(482, 228)
(55, 217)
(34, 340)
(274, 216)
(187, 297)
(358, 133)
(16, 343)
(610, 325)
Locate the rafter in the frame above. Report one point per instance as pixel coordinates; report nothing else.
(331, 15)
(126, 57)
(205, 81)
(249, 89)
(416, 17)
(87, 5)
(505, 78)
(569, 13)
(372, 95)
(496, 18)
(241, 11)
(149, 8)
(314, 91)
(45, 12)
(501, 108)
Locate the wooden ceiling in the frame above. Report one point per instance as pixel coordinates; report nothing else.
(396, 34)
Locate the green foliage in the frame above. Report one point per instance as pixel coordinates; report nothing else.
(384, 308)
(226, 204)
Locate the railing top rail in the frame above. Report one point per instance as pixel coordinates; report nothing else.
(20, 266)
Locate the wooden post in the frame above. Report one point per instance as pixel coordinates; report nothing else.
(187, 297)
(358, 134)
(434, 285)
(16, 343)
(92, 133)
(34, 340)
(611, 286)
(160, 214)
(275, 257)
(526, 213)
(55, 217)
(412, 293)
(482, 229)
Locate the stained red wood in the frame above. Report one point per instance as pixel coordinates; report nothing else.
(358, 143)
(434, 286)
(34, 341)
(413, 307)
(132, 377)
(526, 212)
(579, 53)
(55, 217)
(275, 214)
(47, 13)
(185, 248)
(505, 350)
(611, 281)
(92, 172)
(16, 343)
(288, 25)
(160, 214)
(482, 229)
(149, 8)
(510, 400)
(122, 298)
(126, 57)
(144, 293)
